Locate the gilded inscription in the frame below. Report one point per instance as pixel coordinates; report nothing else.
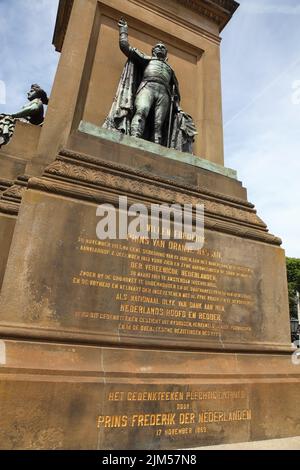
(181, 411)
(165, 289)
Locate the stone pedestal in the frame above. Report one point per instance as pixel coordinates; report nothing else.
(10, 200)
(141, 344)
(68, 396)
(17, 154)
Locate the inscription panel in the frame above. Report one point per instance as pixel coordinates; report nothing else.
(166, 415)
(60, 396)
(158, 287)
(231, 293)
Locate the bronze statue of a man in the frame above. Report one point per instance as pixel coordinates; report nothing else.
(147, 101)
(156, 88)
(33, 113)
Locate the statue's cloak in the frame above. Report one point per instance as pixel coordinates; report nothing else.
(119, 119)
(122, 110)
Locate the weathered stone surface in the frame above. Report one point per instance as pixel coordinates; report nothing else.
(142, 162)
(288, 443)
(5, 183)
(85, 397)
(10, 200)
(171, 308)
(189, 159)
(7, 226)
(22, 148)
(232, 294)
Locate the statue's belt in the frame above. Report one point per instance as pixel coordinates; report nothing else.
(145, 81)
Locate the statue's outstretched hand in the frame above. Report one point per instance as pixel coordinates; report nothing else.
(123, 24)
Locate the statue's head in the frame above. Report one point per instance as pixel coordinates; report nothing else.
(160, 51)
(37, 92)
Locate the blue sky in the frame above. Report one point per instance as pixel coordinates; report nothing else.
(261, 95)
(261, 108)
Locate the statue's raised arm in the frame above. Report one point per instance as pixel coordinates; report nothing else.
(123, 34)
(132, 53)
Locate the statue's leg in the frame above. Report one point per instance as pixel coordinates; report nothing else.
(143, 103)
(162, 109)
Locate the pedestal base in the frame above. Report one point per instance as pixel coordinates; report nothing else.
(290, 443)
(140, 343)
(58, 396)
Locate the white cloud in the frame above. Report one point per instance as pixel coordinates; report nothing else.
(271, 7)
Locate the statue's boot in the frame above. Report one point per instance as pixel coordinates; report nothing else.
(138, 126)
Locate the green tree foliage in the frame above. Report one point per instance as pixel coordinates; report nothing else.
(293, 275)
